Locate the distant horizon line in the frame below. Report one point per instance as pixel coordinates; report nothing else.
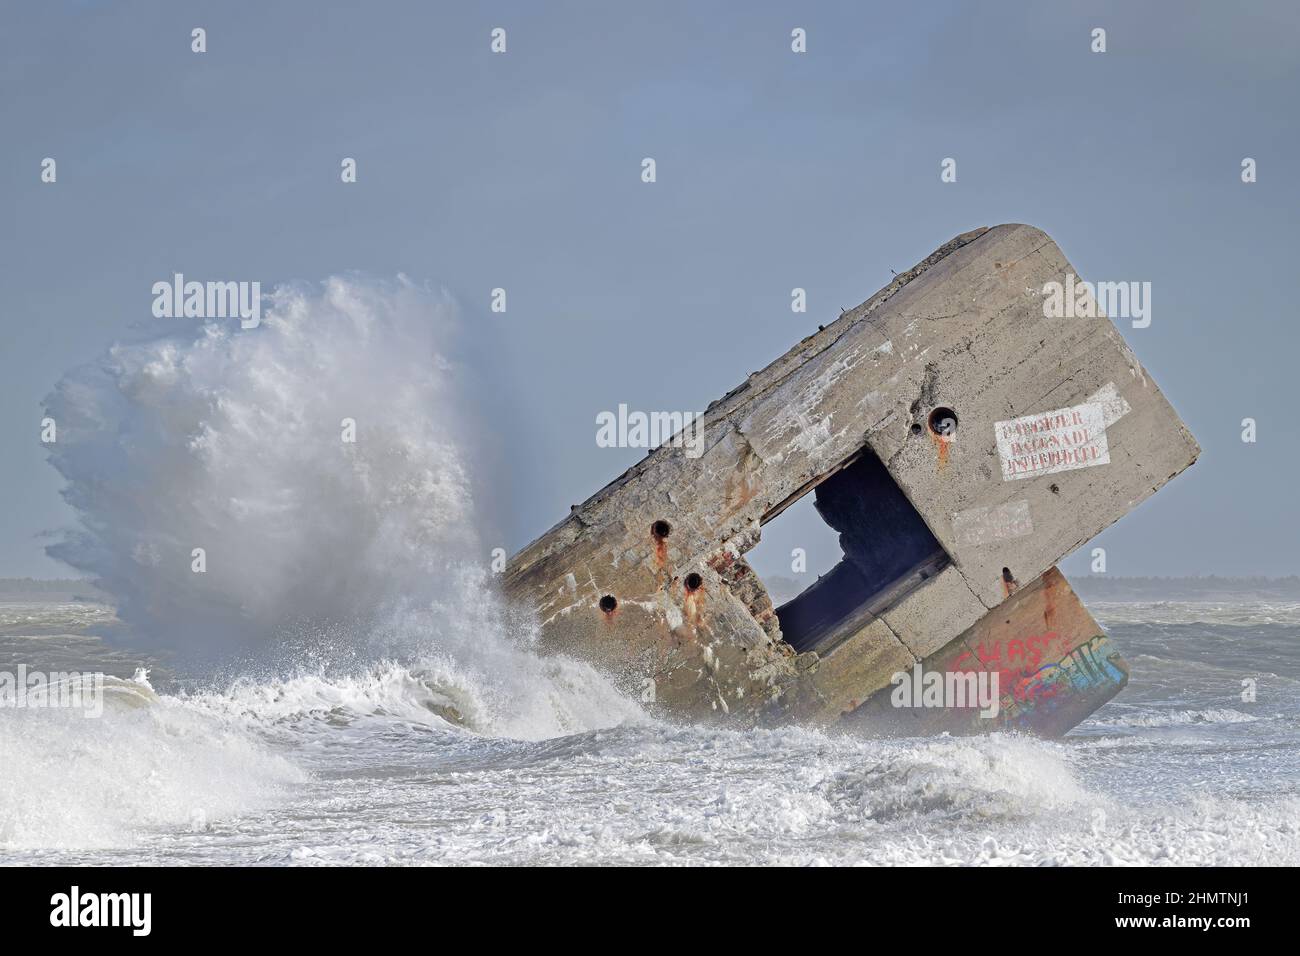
(1091, 576)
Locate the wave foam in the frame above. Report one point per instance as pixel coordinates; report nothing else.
(316, 548)
(1176, 718)
(146, 765)
(233, 441)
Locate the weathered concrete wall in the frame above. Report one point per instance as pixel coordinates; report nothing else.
(963, 330)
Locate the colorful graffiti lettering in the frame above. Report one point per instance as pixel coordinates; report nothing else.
(1016, 659)
(1019, 653)
(1045, 683)
(1026, 672)
(1083, 669)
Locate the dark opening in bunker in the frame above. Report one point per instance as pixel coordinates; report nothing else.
(888, 551)
(943, 421)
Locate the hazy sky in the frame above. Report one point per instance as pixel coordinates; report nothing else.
(775, 170)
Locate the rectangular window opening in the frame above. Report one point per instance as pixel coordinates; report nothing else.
(887, 551)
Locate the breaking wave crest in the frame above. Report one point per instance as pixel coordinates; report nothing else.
(532, 698)
(320, 463)
(158, 766)
(147, 765)
(237, 442)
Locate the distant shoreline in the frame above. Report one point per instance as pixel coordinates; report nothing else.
(1100, 587)
(1105, 587)
(1096, 587)
(52, 589)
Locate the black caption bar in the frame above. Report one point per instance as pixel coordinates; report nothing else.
(332, 905)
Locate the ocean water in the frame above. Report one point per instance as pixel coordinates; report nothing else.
(309, 668)
(432, 762)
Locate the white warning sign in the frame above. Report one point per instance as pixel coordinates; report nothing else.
(1049, 442)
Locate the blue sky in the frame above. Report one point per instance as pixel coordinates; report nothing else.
(775, 170)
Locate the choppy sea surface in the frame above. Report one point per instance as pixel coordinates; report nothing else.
(308, 668)
(424, 760)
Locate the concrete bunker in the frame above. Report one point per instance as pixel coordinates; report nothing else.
(958, 440)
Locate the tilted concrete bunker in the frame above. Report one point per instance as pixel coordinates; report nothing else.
(961, 443)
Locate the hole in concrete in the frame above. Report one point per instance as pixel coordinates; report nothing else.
(916, 428)
(608, 603)
(693, 581)
(795, 549)
(886, 551)
(943, 422)
(1008, 576)
(661, 528)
